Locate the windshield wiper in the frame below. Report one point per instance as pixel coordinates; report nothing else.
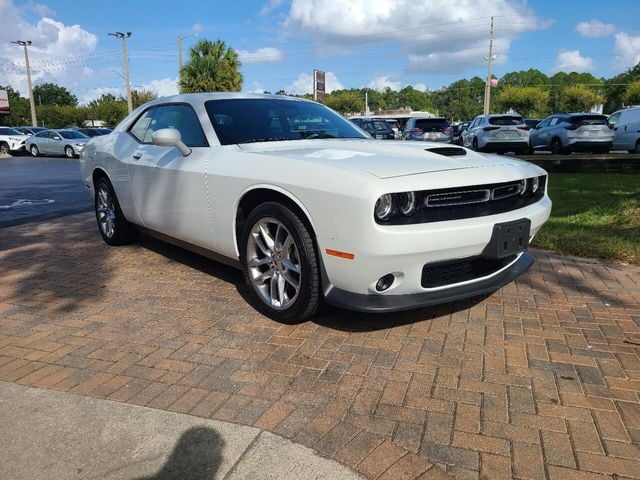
(315, 134)
(266, 139)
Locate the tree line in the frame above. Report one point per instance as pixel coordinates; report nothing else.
(214, 66)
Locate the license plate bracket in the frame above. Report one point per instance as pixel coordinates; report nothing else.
(508, 238)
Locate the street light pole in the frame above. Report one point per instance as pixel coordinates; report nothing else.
(125, 66)
(32, 103)
(180, 38)
(487, 87)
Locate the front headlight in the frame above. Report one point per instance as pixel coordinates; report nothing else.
(384, 206)
(80, 145)
(407, 203)
(535, 183)
(14, 139)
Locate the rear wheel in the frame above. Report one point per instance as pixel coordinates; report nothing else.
(114, 228)
(34, 151)
(68, 152)
(4, 147)
(280, 263)
(556, 147)
(637, 149)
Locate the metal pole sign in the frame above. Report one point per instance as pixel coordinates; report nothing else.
(318, 86)
(4, 103)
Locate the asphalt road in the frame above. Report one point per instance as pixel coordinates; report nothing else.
(40, 188)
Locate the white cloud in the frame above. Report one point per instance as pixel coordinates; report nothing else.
(261, 55)
(57, 54)
(88, 95)
(627, 49)
(421, 87)
(257, 88)
(162, 87)
(382, 82)
(573, 61)
(449, 30)
(595, 29)
(270, 6)
(197, 28)
(40, 9)
(304, 84)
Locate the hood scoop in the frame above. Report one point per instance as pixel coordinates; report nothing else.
(448, 151)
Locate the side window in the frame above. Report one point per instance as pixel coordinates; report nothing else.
(139, 129)
(615, 118)
(544, 123)
(183, 119)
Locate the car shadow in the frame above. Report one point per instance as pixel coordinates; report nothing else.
(327, 316)
(196, 456)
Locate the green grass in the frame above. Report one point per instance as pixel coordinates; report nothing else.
(594, 215)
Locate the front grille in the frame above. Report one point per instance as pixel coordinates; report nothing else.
(449, 272)
(469, 202)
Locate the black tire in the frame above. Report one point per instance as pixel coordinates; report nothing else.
(556, 147)
(68, 152)
(4, 147)
(308, 297)
(474, 144)
(123, 232)
(34, 150)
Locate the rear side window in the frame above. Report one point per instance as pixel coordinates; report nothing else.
(583, 120)
(506, 120)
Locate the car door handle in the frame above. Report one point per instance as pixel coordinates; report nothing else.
(137, 155)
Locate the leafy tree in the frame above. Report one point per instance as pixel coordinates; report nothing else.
(60, 116)
(108, 108)
(139, 97)
(632, 94)
(525, 78)
(345, 101)
(562, 79)
(616, 88)
(20, 110)
(417, 100)
(212, 67)
(578, 98)
(462, 100)
(52, 94)
(528, 101)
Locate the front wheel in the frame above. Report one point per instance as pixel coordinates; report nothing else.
(4, 147)
(280, 263)
(556, 147)
(68, 152)
(114, 228)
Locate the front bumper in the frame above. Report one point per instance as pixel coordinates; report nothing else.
(394, 303)
(17, 146)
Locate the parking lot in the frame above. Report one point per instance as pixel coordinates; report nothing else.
(539, 380)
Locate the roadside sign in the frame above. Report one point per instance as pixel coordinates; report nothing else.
(4, 103)
(318, 86)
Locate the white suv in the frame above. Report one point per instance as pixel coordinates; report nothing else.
(497, 133)
(626, 127)
(11, 140)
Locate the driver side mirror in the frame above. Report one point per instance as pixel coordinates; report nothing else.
(57, 137)
(170, 137)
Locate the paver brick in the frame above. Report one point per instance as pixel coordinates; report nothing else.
(537, 380)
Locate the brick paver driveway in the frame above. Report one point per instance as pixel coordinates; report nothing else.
(540, 380)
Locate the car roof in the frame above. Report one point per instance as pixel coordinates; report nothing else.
(203, 97)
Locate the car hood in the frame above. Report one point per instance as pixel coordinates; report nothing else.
(383, 159)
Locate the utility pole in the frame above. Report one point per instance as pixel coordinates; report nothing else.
(180, 38)
(487, 87)
(32, 103)
(125, 66)
(366, 103)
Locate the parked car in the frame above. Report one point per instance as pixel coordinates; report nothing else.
(314, 212)
(573, 132)
(11, 140)
(497, 133)
(625, 124)
(375, 127)
(457, 132)
(30, 130)
(428, 129)
(94, 131)
(57, 142)
(395, 126)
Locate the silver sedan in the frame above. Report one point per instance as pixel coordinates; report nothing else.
(68, 143)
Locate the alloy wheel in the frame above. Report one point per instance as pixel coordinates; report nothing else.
(34, 151)
(4, 148)
(68, 152)
(106, 211)
(273, 263)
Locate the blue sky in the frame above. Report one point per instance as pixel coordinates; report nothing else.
(360, 43)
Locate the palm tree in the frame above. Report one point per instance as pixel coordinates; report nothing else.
(212, 67)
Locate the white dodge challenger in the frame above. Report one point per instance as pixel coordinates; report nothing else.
(310, 207)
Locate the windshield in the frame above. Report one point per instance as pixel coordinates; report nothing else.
(380, 125)
(72, 134)
(9, 131)
(247, 120)
(393, 123)
(589, 120)
(505, 120)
